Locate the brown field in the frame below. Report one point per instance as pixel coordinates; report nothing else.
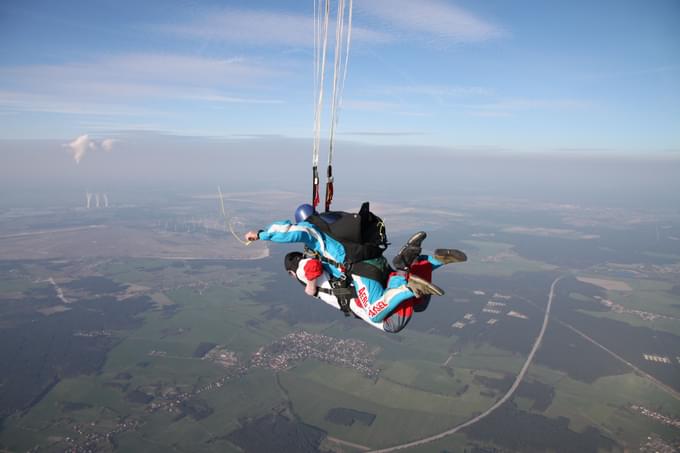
(609, 285)
(120, 241)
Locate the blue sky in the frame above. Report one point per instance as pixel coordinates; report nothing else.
(523, 75)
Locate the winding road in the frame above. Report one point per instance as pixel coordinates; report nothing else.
(498, 403)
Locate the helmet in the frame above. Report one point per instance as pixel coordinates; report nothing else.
(291, 261)
(303, 212)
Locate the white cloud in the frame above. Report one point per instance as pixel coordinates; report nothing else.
(137, 73)
(116, 85)
(68, 104)
(80, 146)
(433, 18)
(384, 133)
(233, 99)
(356, 104)
(83, 144)
(381, 106)
(440, 90)
(107, 144)
(261, 28)
(507, 107)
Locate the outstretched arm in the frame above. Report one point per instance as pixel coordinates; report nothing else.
(252, 236)
(285, 231)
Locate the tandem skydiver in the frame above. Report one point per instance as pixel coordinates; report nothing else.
(352, 258)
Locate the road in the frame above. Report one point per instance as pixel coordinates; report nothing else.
(507, 396)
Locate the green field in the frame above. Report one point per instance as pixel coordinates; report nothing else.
(17, 285)
(218, 315)
(426, 383)
(651, 296)
(665, 325)
(648, 295)
(496, 259)
(604, 403)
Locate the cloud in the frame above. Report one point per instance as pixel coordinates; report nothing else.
(507, 107)
(74, 104)
(261, 28)
(116, 85)
(383, 133)
(107, 144)
(433, 18)
(380, 106)
(439, 90)
(137, 74)
(82, 144)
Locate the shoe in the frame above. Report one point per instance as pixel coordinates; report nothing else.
(416, 240)
(448, 256)
(421, 287)
(409, 252)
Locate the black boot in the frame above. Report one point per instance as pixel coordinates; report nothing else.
(409, 252)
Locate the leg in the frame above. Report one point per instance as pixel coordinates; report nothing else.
(423, 267)
(399, 318)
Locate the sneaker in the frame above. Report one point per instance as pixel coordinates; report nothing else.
(448, 256)
(421, 287)
(409, 252)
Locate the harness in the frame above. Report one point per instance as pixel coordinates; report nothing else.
(344, 291)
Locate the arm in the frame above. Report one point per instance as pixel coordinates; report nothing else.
(311, 289)
(285, 231)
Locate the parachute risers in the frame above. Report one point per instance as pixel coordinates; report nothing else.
(315, 186)
(329, 187)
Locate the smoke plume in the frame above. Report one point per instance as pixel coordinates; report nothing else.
(81, 145)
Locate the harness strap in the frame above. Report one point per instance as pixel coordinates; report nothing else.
(344, 268)
(344, 291)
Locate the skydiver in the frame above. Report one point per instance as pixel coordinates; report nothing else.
(373, 287)
(310, 272)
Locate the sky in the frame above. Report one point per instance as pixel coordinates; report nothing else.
(524, 75)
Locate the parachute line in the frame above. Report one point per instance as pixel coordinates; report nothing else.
(227, 221)
(320, 68)
(339, 68)
(343, 40)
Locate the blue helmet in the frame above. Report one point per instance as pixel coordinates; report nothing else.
(303, 212)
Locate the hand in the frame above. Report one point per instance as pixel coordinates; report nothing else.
(310, 288)
(251, 236)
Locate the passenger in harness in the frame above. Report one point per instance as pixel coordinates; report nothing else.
(310, 272)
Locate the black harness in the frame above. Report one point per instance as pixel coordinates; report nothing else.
(344, 291)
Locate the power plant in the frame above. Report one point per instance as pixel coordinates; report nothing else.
(100, 200)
